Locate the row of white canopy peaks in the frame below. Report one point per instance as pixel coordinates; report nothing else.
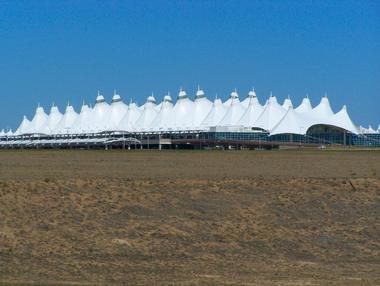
(185, 114)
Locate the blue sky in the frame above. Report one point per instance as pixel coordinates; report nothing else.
(60, 51)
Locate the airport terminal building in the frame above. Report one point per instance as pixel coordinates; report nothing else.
(187, 123)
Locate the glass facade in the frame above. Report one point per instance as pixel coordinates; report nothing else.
(318, 134)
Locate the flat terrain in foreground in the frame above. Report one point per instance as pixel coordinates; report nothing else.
(190, 217)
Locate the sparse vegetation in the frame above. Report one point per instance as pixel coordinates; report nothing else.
(189, 218)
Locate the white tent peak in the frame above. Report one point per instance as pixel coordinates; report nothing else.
(40, 109)
(289, 123)
(251, 113)
(370, 129)
(202, 106)
(163, 118)
(200, 93)
(252, 93)
(53, 120)
(250, 97)
(23, 128)
(67, 121)
(99, 98)
(287, 103)
(305, 105)
(234, 111)
(182, 94)
(9, 133)
(271, 115)
(84, 107)
(234, 94)
(116, 97)
(37, 124)
(323, 110)
(151, 99)
(216, 113)
(342, 119)
(54, 109)
(168, 98)
(69, 108)
(147, 115)
(272, 99)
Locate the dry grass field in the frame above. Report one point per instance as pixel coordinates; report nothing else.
(190, 217)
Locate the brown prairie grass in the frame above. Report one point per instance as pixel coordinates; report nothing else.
(189, 218)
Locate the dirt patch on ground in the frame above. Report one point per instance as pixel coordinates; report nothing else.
(190, 218)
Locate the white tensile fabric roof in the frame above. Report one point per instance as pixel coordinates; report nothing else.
(100, 114)
(272, 114)
(298, 123)
(252, 113)
(370, 130)
(118, 111)
(290, 123)
(322, 110)
(39, 120)
(342, 119)
(234, 111)
(55, 116)
(162, 121)
(147, 116)
(24, 127)
(128, 121)
(233, 96)
(82, 124)
(65, 125)
(216, 114)
(247, 100)
(287, 103)
(305, 105)
(182, 112)
(185, 115)
(202, 106)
